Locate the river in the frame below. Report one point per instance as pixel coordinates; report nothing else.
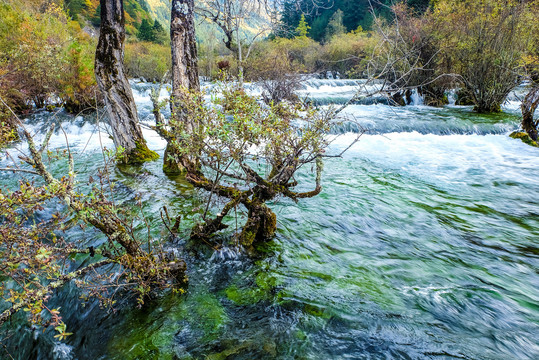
(422, 245)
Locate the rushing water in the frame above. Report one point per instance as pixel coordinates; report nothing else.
(423, 245)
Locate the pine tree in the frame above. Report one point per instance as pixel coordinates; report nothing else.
(303, 28)
(145, 31)
(159, 34)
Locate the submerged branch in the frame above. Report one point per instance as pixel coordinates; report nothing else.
(39, 294)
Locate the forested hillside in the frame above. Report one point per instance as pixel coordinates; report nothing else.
(85, 11)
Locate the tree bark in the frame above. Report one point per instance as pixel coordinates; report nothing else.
(261, 225)
(528, 107)
(184, 71)
(113, 83)
(184, 50)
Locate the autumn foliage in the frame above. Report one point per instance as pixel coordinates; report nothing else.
(45, 59)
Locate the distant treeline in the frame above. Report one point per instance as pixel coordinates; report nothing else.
(319, 13)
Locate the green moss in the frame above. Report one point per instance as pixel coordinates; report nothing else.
(263, 291)
(266, 281)
(156, 341)
(141, 154)
(445, 100)
(248, 296)
(247, 237)
(300, 335)
(316, 311)
(526, 139)
(270, 224)
(210, 314)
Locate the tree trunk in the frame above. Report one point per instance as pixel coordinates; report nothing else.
(261, 225)
(113, 83)
(184, 50)
(529, 105)
(184, 70)
(240, 57)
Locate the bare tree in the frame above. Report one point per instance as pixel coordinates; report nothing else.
(113, 83)
(231, 16)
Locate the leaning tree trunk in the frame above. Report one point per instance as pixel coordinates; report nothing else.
(113, 83)
(529, 105)
(184, 71)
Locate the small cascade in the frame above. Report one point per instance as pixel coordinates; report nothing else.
(416, 99)
(452, 97)
(383, 119)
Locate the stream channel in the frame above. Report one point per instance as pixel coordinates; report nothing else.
(422, 245)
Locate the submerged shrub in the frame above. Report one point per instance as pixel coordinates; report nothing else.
(484, 42)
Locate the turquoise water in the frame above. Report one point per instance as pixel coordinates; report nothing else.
(422, 245)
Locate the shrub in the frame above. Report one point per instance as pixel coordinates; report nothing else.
(44, 57)
(346, 53)
(147, 60)
(484, 43)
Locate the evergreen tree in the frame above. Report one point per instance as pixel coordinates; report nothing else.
(303, 29)
(145, 31)
(157, 27)
(354, 13)
(289, 18)
(335, 26)
(160, 36)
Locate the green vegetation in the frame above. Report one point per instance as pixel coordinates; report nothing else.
(44, 58)
(526, 139)
(147, 60)
(152, 32)
(141, 154)
(484, 42)
(348, 15)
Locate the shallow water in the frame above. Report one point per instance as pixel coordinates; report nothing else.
(423, 245)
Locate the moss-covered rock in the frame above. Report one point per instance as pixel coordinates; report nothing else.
(494, 108)
(230, 352)
(524, 137)
(434, 101)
